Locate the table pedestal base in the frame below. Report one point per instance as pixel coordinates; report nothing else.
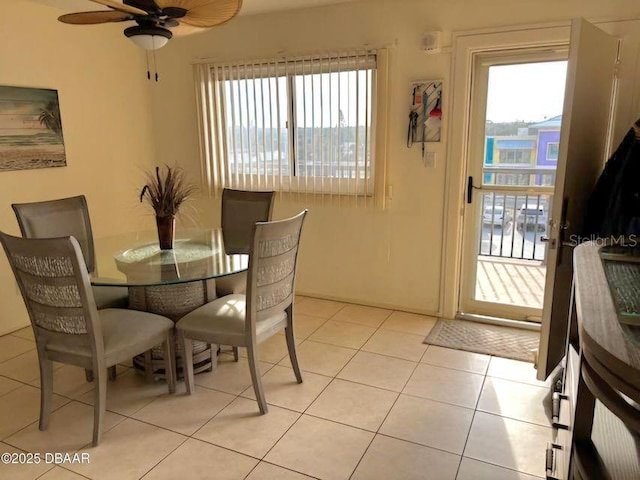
(174, 302)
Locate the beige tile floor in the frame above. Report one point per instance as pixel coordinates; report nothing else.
(376, 403)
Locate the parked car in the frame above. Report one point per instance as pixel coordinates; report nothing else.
(496, 215)
(532, 217)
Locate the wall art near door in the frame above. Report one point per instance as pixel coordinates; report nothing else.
(425, 116)
(30, 129)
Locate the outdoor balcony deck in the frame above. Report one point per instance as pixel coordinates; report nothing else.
(512, 281)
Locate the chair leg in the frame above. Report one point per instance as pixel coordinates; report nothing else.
(169, 362)
(100, 405)
(112, 373)
(88, 374)
(148, 366)
(252, 355)
(291, 345)
(236, 355)
(187, 363)
(46, 389)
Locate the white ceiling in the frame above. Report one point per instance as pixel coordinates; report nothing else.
(249, 7)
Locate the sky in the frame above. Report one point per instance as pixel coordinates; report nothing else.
(529, 92)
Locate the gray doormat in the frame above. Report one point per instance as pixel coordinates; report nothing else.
(507, 342)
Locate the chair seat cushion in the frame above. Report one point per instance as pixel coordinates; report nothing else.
(110, 297)
(223, 321)
(124, 332)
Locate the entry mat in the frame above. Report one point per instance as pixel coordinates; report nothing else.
(507, 342)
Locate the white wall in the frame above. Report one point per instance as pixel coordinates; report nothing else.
(391, 257)
(105, 106)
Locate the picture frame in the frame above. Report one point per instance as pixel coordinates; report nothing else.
(30, 129)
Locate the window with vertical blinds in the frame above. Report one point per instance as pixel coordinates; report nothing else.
(305, 125)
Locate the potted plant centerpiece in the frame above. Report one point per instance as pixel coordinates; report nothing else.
(166, 189)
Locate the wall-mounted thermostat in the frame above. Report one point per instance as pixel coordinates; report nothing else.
(432, 42)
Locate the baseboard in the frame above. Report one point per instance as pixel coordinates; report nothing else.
(386, 306)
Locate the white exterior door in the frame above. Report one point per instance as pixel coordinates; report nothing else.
(582, 154)
(516, 113)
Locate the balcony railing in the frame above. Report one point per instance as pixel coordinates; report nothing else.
(515, 215)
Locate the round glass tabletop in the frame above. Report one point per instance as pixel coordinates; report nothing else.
(135, 259)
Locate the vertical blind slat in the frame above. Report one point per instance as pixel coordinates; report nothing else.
(226, 165)
(313, 132)
(367, 123)
(214, 108)
(304, 143)
(357, 154)
(340, 122)
(331, 130)
(255, 131)
(280, 149)
(248, 126)
(271, 123)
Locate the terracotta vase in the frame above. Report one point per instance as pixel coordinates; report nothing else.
(166, 232)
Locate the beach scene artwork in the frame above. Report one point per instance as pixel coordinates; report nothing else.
(30, 129)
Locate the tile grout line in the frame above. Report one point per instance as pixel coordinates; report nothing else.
(475, 410)
(503, 467)
(164, 458)
(385, 417)
(303, 413)
(318, 396)
(355, 469)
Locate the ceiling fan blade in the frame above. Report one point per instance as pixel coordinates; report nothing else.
(182, 30)
(147, 5)
(92, 18)
(204, 13)
(121, 7)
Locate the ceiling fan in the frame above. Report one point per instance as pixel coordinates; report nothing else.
(158, 20)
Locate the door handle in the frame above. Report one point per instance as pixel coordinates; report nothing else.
(469, 189)
(551, 241)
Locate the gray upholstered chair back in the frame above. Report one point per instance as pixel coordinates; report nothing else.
(54, 283)
(58, 218)
(240, 211)
(272, 267)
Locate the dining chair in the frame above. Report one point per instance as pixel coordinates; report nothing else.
(69, 217)
(266, 309)
(54, 281)
(241, 209)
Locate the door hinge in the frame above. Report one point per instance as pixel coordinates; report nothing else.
(551, 462)
(556, 401)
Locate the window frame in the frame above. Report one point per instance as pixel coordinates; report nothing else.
(291, 70)
(547, 157)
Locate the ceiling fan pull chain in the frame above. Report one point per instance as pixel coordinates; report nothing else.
(146, 54)
(155, 64)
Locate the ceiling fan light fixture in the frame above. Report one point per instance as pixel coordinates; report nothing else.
(148, 37)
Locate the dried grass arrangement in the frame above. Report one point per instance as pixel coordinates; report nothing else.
(166, 191)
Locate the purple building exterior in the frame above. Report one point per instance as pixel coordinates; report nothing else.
(548, 156)
(548, 132)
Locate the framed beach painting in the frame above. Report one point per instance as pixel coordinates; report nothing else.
(30, 129)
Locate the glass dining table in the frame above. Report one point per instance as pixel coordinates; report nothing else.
(167, 282)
